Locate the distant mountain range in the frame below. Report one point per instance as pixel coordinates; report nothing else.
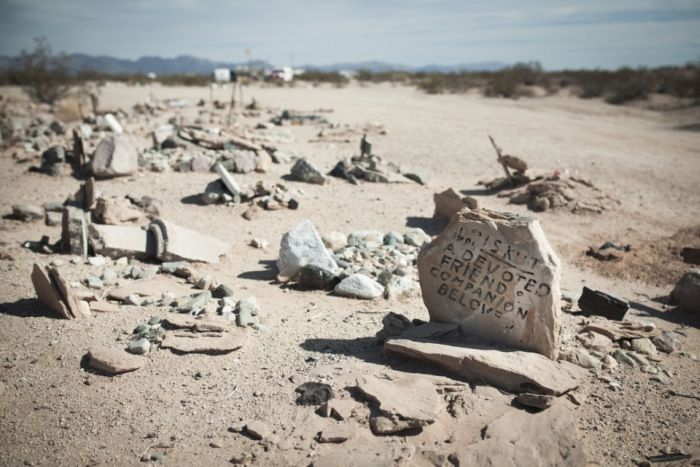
(201, 66)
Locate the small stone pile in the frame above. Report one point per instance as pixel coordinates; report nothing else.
(364, 264)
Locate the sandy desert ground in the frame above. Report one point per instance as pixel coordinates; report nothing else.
(55, 412)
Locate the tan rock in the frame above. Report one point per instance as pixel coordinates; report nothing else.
(113, 361)
(548, 438)
(103, 307)
(514, 371)
(336, 433)
(497, 277)
(447, 203)
(114, 211)
(75, 308)
(47, 293)
(405, 403)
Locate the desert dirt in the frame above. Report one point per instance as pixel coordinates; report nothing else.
(54, 412)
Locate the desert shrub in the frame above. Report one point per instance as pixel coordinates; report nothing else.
(331, 77)
(43, 76)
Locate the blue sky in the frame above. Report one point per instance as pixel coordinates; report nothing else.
(559, 34)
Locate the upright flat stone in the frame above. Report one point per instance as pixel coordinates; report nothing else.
(302, 246)
(514, 371)
(114, 156)
(174, 243)
(48, 293)
(496, 275)
(74, 231)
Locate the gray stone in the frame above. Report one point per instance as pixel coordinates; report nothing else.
(393, 238)
(303, 171)
(536, 401)
(247, 312)
(667, 341)
(114, 156)
(644, 346)
(686, 293)
(302, 246)
(416, 237)
(366, 238)
(133, 299)
(27, 212)
(400, 286)
(94, 282)
(359, 286)
(623, 357)
(581, 358)
(497, 276)
(201, 163)
(139, 346)
(244, 161)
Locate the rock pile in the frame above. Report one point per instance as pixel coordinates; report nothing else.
(363, 264)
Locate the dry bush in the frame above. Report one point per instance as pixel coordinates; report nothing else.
(43, 76)
(317, 77)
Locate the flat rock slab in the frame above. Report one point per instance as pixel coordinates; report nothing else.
(174, 243)
(104, 307)
(617, 330)
(404, 403)
(514, 371)
(113, 361)
(116, 241)
(154, 287)
(497, 276)
(205, 344)
(549, 438)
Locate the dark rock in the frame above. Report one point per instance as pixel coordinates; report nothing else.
(312, 393)
(594, 302)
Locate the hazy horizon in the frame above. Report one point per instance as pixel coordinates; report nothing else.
(413, 33)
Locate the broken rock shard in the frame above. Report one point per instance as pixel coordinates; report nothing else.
(302, 246)
(174, 243)
(48, 293)
(74, 231)
(497, 277)
(514, 371)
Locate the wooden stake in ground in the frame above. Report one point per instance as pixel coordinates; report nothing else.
(499, 154)
(232, 104)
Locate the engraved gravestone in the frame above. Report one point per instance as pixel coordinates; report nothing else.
(496, 275)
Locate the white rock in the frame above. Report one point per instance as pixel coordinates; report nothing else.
(416, 237)
(302, 246)
(335, 240)
(359, 286)
(97, 261)
(497, 276)
(399, 286)
(114, 124)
